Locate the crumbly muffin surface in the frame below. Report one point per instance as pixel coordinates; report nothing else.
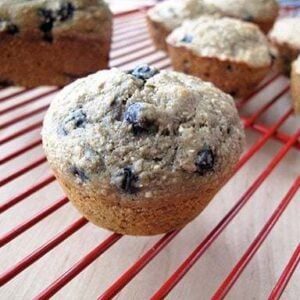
(224, 38)
(287, 30)
(173, 13)
(245, 9)
(48, 18)
(142, 134)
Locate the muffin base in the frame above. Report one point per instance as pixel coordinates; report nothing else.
(34, 62)
(265, 25)
(158, 33)
(236, 79)
(286, 56)
(138, 217)
(295, 90)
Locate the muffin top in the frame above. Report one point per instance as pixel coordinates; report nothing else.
(172, 13)
(287, 30)
(49, 18)
(225, 39)
(245, 9)
(142, 134)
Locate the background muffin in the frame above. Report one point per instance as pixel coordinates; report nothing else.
(168, 15)
(295, 84)
(286, 37)
(52, 42)
(142, 152)
(261, 12)
(233, 54)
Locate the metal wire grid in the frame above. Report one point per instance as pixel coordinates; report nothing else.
(131, 45)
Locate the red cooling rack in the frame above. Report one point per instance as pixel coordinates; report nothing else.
(131, 45)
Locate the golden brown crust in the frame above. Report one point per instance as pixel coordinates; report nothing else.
(286, 55)
(265, 25)
(35, 62)
(295, 89)
(158, 33)
(226, 74)
(151, 217)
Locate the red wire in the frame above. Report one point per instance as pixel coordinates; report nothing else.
(20, 151)
(23, 170)
(38, 253)
(245, 259)
(138, 266)
(29, 191)
(21, 132)
(15, 94)
(286, 275)
(28, 101)
(16, 231)
(78, 267)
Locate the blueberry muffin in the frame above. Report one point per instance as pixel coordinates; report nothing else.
(261, 12)
(286, 37)
(295, 85)
(52, 42)
(233, 54)
(166, 16)
(163, 18)
(142, 152)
